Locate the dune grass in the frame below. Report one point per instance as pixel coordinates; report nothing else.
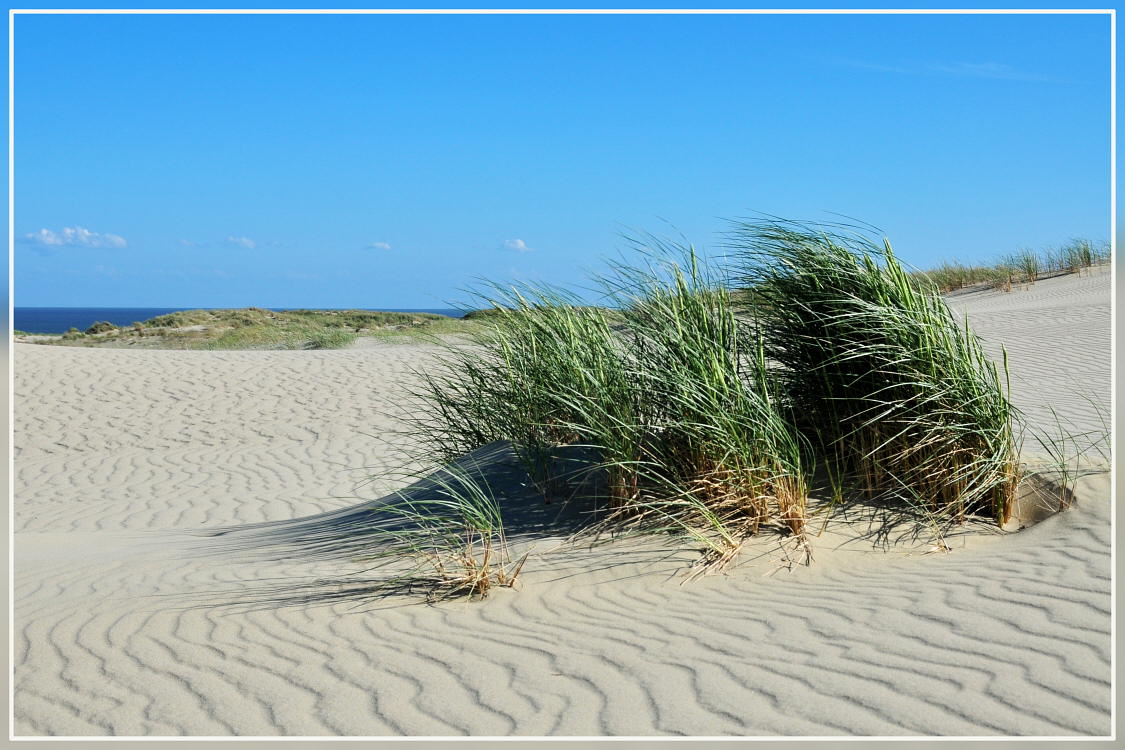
(669, 393)
(703, 413)
(1026, 264)
(952, 275)
(1072, 452)
(1022, 267)
(886, 382)
(678, 406)
(451, 539)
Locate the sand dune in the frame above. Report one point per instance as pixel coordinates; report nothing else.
(128, 625)
(1057, 334)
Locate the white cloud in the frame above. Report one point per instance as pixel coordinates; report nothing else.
(518, 245)
(73, 237)
(245, 242)
(189, 243)
(379, 246)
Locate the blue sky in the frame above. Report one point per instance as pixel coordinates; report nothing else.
(388, 161)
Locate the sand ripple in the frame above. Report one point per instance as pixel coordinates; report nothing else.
(122, 629)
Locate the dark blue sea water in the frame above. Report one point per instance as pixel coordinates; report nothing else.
(61, 319)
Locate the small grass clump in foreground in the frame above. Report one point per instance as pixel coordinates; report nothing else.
(885, 380)
(451, 538)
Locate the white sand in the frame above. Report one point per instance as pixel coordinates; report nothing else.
(1057, 333)
(123, 628)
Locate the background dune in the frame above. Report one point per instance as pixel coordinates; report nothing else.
(125, 625)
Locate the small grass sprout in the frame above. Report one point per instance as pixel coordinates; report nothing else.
(453, 534)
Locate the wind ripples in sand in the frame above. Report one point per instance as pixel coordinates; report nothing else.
(123, 628)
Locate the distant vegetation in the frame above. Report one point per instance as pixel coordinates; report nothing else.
(487, 312)
(256, 328)
(1022, 267)
(102, 326)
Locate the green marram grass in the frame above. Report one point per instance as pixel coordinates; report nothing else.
(701, 412)
(951, 276)
(887, 383)
(664, 386)
(1026, 264)
(448, 541)
(1023, 267)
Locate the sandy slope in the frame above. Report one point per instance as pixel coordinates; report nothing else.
(1057, 333)
(124, 627)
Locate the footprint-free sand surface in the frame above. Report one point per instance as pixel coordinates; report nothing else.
(127, 625)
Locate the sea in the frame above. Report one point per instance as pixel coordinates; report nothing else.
(62, 319)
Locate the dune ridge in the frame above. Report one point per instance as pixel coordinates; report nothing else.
(128, 625)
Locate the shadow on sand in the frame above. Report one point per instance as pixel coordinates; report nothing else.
(544, 528)
(532, 524)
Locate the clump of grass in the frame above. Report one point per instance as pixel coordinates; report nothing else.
(101, 326)
(884, 378)
(1025, 263)
(448, 541)
(1081, 254)
(243, 337)
(1070, 452)
(725, 442)
(180, 319)
(331, 339)
(670, 392)
(1103, 252)
(1077, 255)
(951, 276)
(1023, 267)
(488, 312)
(1005, 277)
(541, 356)
(948, 276)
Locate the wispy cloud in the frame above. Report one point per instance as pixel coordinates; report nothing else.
(189, 243)
(73, 237)
(518, 245)
(992, 70)
(989, 69)
(245, 242)
(379, 246)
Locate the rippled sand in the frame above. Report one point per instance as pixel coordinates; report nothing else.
(123, 627)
